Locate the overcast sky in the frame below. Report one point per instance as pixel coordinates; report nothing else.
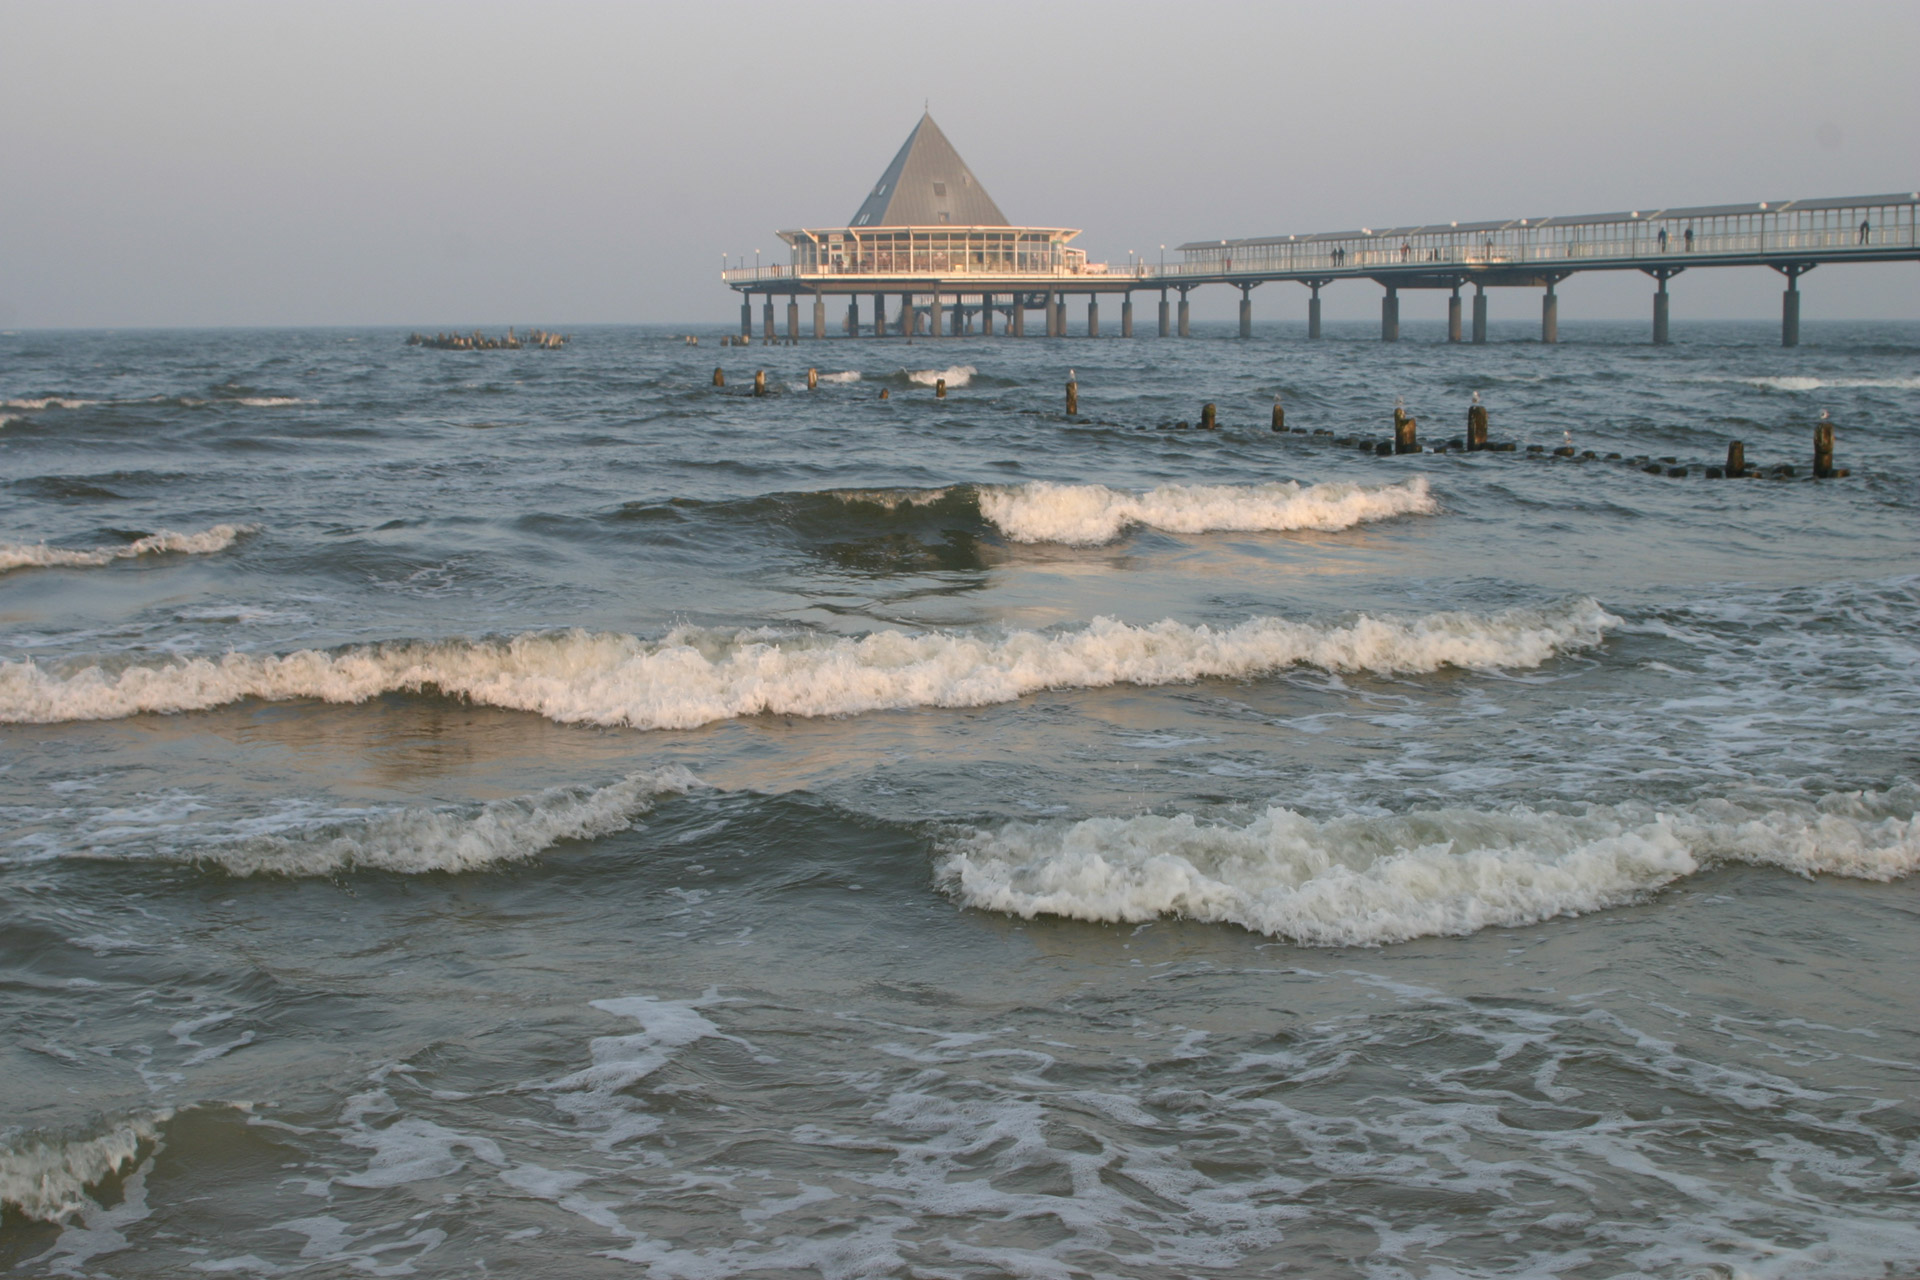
(483, 164)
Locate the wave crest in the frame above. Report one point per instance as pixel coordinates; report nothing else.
(1089, 514)
(1367, 881)
(416, 841)
(693, 677)
(956, 376)
(48, 1181)
(21, 555)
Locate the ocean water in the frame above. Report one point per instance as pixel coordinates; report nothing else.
(531, 813)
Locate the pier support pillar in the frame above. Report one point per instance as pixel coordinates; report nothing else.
(1550, 316)
(1313, 309)
(746, 315)
(1093, 315)
(986, 315)
(1390, 315)
(879, 315)
(908, 320)
(819, 318)
(1166, 324)
(793, 317)
(1059, 315)
(1453, 316)
(1019, 320)
(766, 319)
(1479, 313)
(1186, 326)
(1246, 311)
(1790, 301)
(1126, 316)
(853, 315)
(1660, 315)
(934, 316)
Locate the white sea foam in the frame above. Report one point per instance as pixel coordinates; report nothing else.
(47, 1181)
(1790, 382)
(269, 402)
(1373, 880)
(48, 402)
(418, 840)
(21, 555)
(693, 677)
(1088, 514)
(845, 375)
(957, 376)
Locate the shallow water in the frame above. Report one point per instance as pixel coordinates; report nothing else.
(482, 812)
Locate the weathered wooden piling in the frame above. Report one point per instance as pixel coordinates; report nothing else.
(1822, 449)
(1208, 419)
(719, 377)
(1476, 425)
(759, 382)
(1736, 459)
(939, 388)
(883, 393)
(813, 379)
(1404, 428)
(1279, 415)
(1073, 395)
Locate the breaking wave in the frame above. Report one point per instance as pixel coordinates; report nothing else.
(1088, 514)
(21, 555)
(957, 376)
(47, 1181)
(694, 676)
(845, 375)
(1367, 881)
(47, 402)
(417, 840)
(269, 402)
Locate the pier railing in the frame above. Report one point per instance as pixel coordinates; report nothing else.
(1868, 228)
(780, 273)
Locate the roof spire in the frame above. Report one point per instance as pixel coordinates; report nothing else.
(928, 184)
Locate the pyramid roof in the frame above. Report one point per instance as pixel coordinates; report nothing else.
(926, 185)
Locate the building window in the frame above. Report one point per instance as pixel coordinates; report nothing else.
(945, 216)
(939, 188)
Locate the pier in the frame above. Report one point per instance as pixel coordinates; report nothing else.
(935, 257)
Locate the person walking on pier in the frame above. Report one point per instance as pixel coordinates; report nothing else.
(1663, 239)
(1866, 229)
(1689, 239)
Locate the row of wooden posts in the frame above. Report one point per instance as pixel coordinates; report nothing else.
(1406, 438)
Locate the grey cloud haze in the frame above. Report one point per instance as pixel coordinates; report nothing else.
(435, 165)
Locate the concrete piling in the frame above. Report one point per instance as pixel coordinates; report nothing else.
(879, 315)
(759, 382)
(1126, 316)
(1313, 311)
(1453, 316)
(1019, 317)
(1736, 459)
(819, 318)
(1790, 314)
(1390, 315)
(986, 315)
(1550, 316)
(1479, 313)
(1186, 329)
(1093, 315)
(1208, 419)
(935, 316)
(719, 377)
(766, 320)
(1246, 311)
(1166, 327)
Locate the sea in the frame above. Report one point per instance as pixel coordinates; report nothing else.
(536, 813)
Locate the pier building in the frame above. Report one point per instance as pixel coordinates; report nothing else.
(929, 236)
(936, 256)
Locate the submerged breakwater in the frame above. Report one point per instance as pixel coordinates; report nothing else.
(582, 816)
